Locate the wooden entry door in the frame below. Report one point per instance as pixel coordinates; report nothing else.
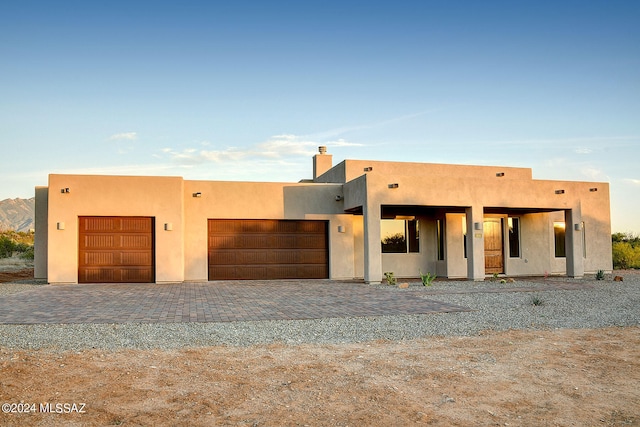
(493, 248)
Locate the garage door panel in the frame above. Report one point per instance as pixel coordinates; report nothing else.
(116, 249)
(97, 241)
(97, 258)
(96, 275)
(267, 249)
(135, 241)
(97, 224)
(141, 225)
(142, 259)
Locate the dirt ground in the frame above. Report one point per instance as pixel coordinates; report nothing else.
(584, 377)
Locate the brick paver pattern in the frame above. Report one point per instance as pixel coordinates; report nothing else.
(225, 301)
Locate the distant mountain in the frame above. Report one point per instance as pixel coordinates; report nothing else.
(17, 214)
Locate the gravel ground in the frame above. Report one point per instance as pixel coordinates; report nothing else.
(605, 304)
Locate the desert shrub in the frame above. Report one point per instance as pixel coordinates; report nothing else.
(427, 279)
(28, 253)
(625, 255)
(7, 246)
(391, 279)
(20, 242)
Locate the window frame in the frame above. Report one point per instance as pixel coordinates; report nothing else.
(514, 223)
(411, 236)
(560, 239)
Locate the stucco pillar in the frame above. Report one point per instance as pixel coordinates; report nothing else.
(573, 242)
(475, 243)
(41, 234)
(372, 247)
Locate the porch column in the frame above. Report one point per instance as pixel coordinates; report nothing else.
(372, 247)
(475, 243)
(573, 242)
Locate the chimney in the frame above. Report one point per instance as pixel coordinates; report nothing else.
(322, 162)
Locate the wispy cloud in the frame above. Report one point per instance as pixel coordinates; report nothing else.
(583, 150)
(283, 146)
(125, 136)
(632, 181)
(331, 133)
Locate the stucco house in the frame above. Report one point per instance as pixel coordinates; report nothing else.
(356, 219)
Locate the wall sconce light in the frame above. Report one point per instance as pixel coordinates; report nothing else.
(477, 226)
(394, 185)
(168, 226)
(60, 226)
(577, 227)
(500, 174)
(368, 169)
(64, 190)
(198, 194)
(341, 229)
(593, 189)
(559, 191)
(339, 198)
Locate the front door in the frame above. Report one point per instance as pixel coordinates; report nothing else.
(493, 256)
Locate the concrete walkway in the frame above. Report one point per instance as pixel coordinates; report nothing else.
(224, 301)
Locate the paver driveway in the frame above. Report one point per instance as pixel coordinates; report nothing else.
(224, 301)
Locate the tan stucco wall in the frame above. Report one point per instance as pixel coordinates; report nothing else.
(90, 195)
(260, 200)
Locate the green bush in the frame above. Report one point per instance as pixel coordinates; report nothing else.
(6, 247)
(28, 253)
(20, 242)
(625, 255)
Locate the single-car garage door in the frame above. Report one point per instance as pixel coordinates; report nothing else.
(267, 249)
(116, 249)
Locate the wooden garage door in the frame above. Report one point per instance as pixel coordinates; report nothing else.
(116, 249)
(267, 249)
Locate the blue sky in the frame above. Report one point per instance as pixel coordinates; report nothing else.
(247, 90)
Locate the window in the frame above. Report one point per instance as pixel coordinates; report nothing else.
(514, 237)
(400, 236)
(464, 234)
(584, 241)
(559, 237)
(440, 231)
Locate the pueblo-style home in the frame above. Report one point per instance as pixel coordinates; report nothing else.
(357, 219)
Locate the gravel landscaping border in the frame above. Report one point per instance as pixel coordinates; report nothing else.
(496, 306)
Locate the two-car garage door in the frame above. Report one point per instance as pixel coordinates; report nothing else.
(267, 249)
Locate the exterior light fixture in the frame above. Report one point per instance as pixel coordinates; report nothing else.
(500, 174)
(368, 169)
(198, 194)
(577, 227)
(477, 226)
(168, 226)
(559, 191)
(394, 185)
(60, 226)
(341, 229)
(64, 190)
(593, 189)
(339, 198)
